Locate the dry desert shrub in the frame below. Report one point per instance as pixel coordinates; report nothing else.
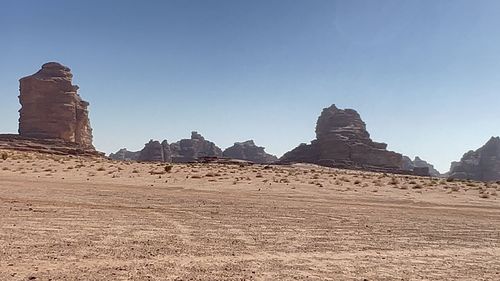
(284, 181)
(168, 168)
(345, 179)
(5, 156)
(155, 172)
(101, 169)
(418, 186)
(484, 195)
(394, 181)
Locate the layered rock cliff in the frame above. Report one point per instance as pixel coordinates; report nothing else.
(482, 164)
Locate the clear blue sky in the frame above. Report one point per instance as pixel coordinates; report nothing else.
(424, 75)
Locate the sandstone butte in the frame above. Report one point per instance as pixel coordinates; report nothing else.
(342, 141)
(53, 117)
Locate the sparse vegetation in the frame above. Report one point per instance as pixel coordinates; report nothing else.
(168, 168)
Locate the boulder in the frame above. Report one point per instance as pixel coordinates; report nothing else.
(248, 151)
(343, 141)
(51, 107)
(482, 164)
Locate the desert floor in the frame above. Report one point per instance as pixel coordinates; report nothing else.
(69, 218)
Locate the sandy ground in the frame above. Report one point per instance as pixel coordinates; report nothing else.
(67, 218)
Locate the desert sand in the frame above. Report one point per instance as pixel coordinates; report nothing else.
(71, 218)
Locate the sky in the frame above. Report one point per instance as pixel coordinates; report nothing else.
(424, 75)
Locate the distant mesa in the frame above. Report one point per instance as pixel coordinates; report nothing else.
(248, 151)
(482, 164)
(189, 150)
(53, 117)
(197, 148)
(124, 155)
(183, 151)
(419, 167)
(154, 151)
(342, 141)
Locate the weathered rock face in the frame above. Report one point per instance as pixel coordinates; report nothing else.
(409, 165)
(51, 107)
(188, 150)
(342, 141)
(156, 152)
(125, 155)
(249, 151)
(419, 163)
(47, 146)
(482, 164)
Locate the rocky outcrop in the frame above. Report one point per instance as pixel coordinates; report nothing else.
(183, 151)
(411, 165)
(250, 152)
(482, 164)
(155, 151)
(46, 146)
(51, 107)
(342, 141)
(125, 155)
(189, 150)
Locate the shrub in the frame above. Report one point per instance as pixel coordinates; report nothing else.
(168, 168)
(5, 156)
(417, 186)
(394, 181)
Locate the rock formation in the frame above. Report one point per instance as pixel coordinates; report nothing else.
(125, 155)
(342, 141)
(188, 150)
(47, 146)
(482, 164)
(156, 152)
(409, 165)
(51, 107)
(249, 151)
